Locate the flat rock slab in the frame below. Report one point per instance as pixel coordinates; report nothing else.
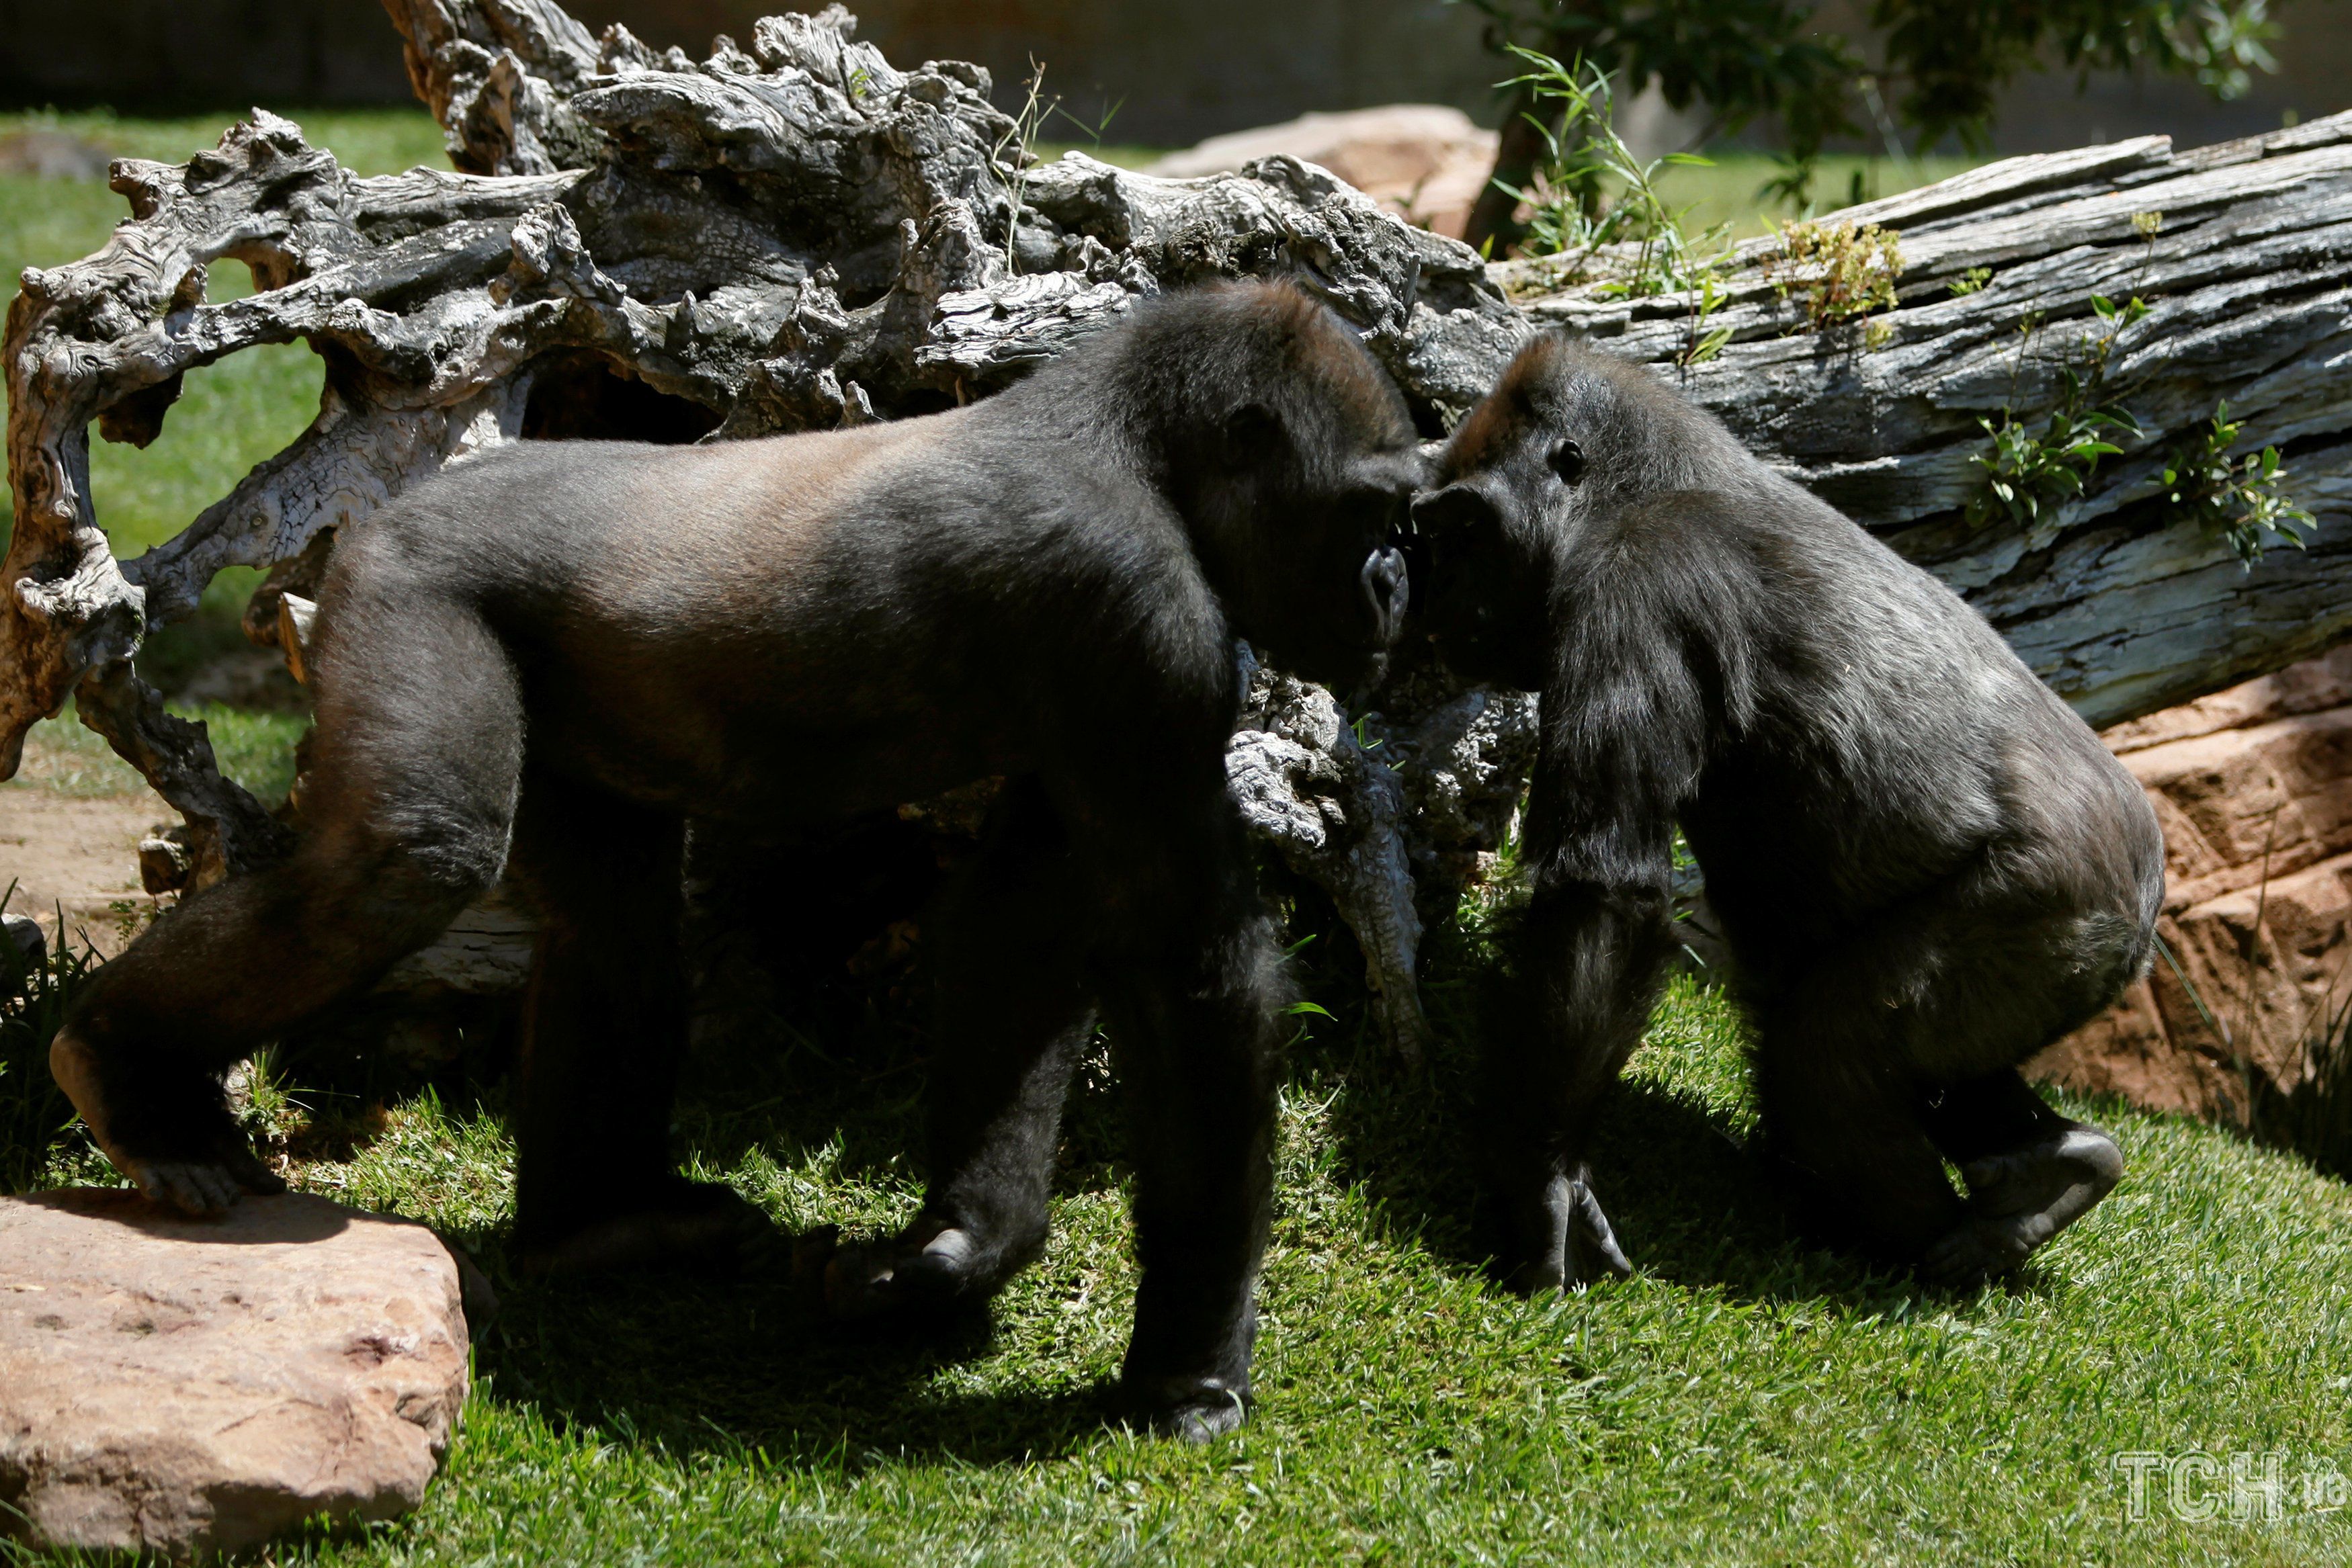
(189, 1386)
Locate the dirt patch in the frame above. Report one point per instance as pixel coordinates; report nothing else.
(77, 854)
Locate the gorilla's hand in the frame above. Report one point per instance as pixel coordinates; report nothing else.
(1566, 1239)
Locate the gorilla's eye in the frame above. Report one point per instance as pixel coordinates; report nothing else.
(1566, 460)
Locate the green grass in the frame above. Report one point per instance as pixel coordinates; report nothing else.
(1728, 192)
(233, 413)
(255, 748)
(1742, 1399)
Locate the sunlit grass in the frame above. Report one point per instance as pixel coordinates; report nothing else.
(1731, 191)
(255, 748)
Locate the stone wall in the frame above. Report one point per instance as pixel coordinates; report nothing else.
(2254, 787)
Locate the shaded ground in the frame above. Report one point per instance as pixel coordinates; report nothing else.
(77, 856)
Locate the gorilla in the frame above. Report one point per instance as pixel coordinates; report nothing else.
(1927, 865)
(554, 655)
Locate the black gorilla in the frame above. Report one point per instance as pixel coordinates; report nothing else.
(559, 651)
(1928, 866)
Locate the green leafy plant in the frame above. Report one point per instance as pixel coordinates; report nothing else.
(1837, 274)
(1925, 68)
(1596, 205)
(1699, 343)
(1972, 281)
(34, 995)
(1598, 209)
(2029, 470)
(2236, 497)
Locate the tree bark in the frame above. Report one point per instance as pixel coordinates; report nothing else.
(2119, 601)
(1494, 225)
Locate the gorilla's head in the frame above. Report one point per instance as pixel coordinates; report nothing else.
(1293, 459)
(1566, 434)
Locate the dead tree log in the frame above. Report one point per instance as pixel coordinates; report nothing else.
(799, 235)
(2243, 253)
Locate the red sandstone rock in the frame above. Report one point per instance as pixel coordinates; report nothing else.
(2253, 788)
(188, 1387)
(1424, 161)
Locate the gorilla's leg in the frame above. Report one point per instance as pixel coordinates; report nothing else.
(2030, 1172)
(1189, 965)
(1901, 1050)
(1013, 1017)
(605, 1029)
(1842, 1120)
(407, 808)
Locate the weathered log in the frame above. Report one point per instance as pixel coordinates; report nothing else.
(2119, 604)
(800, 235)
(1336, 815)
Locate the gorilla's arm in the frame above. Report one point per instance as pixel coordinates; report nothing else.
(1622, 723)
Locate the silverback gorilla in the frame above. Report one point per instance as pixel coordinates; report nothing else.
(557, 652)
(1927, 865)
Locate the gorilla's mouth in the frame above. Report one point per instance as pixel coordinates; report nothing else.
(1386, 593)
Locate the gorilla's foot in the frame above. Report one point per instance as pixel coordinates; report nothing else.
(700, 1227)
(208, 1165)
(928, 1269)
(1565, 1239)
(2019, 1199)
(1189, 1409)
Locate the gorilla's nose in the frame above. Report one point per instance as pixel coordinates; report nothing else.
(1385, 592)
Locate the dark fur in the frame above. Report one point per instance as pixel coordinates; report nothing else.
(561, 651)
(1927, 865)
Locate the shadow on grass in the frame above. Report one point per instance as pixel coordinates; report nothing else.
(749, 1364)
(738, 1366)
(1690, 1204)
(731, 1366)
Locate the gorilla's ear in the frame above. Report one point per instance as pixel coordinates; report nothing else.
(1567, 459)
(1253, 433)
(1455, 506)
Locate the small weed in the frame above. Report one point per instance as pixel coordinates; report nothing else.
(1016, 152)
(1838, 273)
(2028, 471)
(2236, 497)
(1972, 281)
(1648, 250)
(1700, 345)
(34, 1112)
(1020, 141)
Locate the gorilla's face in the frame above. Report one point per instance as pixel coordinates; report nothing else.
(1542, 451)
(1484, 583)
(1306, 512)
(1483, 538)
(1347, 581)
